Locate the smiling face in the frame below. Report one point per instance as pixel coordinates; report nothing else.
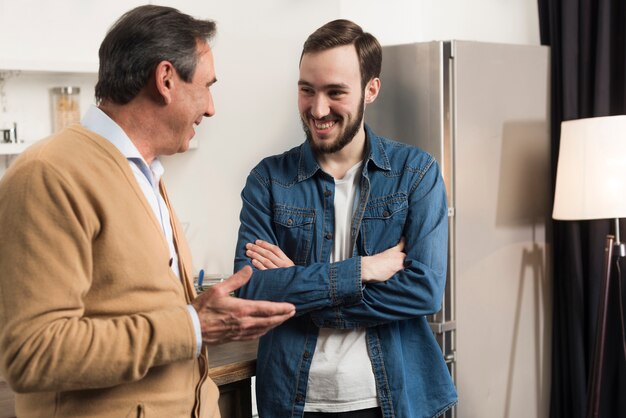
(330, 98)
(191, 101)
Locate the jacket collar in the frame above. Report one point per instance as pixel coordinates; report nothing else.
(375, 153)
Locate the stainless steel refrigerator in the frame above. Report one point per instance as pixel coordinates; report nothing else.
(481, 109)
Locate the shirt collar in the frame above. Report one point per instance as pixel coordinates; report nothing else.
(99, 122)
(374, 152)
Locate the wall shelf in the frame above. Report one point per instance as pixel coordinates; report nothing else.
(50, 67)
(13, 148)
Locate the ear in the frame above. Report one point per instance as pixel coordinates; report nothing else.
(372, 89)
(164, 79)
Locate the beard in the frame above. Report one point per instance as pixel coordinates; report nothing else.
(344, 139)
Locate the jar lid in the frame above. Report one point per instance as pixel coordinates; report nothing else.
(66, 90)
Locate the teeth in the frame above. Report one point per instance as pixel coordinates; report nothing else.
(324, 125)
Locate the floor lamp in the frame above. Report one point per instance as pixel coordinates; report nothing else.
(591, 184)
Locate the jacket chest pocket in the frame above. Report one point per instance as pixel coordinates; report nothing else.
(383, 222)
(294, 230)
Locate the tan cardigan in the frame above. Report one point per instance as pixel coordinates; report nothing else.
(93, 323)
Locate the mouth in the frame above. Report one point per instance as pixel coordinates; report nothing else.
(193, 127)
(323, 126)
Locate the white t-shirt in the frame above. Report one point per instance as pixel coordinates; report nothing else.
(341, 378)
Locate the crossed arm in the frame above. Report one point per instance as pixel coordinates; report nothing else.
(376, 268)
(398, 283)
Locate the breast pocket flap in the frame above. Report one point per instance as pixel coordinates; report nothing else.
(293, 218)
(385, 207)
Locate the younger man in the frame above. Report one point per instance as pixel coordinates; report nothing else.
(362, 221)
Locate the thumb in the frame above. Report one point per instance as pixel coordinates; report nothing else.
(401, 244)
(237, 280)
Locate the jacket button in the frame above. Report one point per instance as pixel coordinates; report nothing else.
(329, 236)
(290, 222)
(307, 354)
(327, 193)
(386, 214)
(299, 398)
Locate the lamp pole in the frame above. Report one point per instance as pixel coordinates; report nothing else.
(597, 366)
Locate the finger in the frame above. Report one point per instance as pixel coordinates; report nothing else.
(263, 308)
(275, 254)
(258, 264)
(270, 251)
(262, 243)
(253, 255)
(237, 280)
(260, 253)
(259, 327)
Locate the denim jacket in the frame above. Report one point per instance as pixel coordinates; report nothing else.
(288, 201)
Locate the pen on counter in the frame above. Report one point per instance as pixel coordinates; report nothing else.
(200, 278)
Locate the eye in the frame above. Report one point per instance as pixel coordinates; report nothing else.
(306, 90)
(336, 93)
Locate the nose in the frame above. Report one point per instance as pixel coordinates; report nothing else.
(319, 106)
(210, 107)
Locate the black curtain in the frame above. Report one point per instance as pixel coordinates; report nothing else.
(588, 53)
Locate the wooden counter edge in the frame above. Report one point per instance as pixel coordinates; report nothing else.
(232, 362)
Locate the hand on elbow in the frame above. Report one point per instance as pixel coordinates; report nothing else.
(264, 255)
(382, 266)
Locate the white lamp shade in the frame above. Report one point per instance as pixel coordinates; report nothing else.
(591, 172)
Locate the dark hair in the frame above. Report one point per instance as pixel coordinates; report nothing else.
(139, 40)
(344, 32)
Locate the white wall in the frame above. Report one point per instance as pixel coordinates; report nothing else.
(403, 21)
(256, 52)
(64, 33)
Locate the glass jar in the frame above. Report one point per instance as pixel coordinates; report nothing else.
(65, 107)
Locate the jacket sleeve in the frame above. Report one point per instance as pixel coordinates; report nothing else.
(310, 287)
(418, 289)
(48, 339)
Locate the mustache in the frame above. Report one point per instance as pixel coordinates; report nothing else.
(327, 118)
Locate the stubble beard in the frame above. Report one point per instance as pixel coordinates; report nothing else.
(337, 145)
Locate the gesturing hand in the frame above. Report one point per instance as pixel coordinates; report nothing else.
(382, 266)
(264, 255)
(226, 318)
